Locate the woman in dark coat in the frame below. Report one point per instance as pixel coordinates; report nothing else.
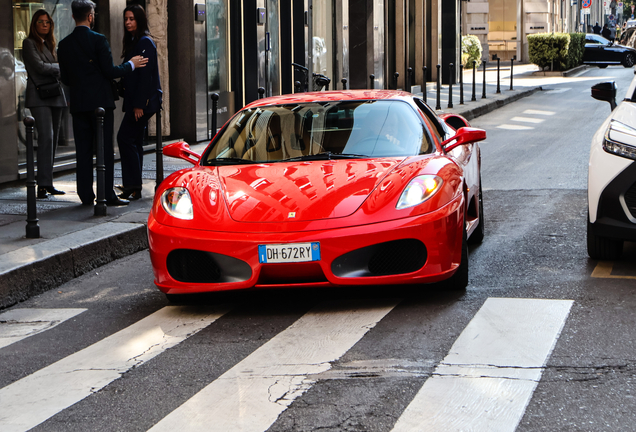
(142, 99)
(40, 60)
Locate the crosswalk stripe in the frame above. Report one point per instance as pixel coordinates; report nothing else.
(487, 379)
(514, 127)
(18, 324)
(251, 395)
(527, 120)
(539, 112)
(33, 399)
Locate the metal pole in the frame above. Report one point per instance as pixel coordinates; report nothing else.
(439, 90)
(483, 89)
(297, 87)
(261, 92)
(498, 62)
(100, 206)
(409, 72)
(372, 81)
(344, 83)
(424, 84)
(451, 69)
(473, 98)
(159, 150)
(32, 227)
(396, 75)
(461, 84)
(512, 61)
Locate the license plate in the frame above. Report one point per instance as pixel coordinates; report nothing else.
(289, 253)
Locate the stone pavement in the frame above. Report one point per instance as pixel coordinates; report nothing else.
(73, 241)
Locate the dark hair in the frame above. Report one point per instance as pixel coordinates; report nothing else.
(142, 28)
(37, 38)
(81, 9)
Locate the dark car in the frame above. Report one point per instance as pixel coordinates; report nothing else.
(602, 52)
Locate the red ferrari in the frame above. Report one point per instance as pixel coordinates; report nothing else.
(320, 189)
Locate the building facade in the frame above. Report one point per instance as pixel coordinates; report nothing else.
(234, 48)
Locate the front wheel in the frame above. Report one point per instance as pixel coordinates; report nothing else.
(478, 235)
(629, 60)
(459, 280)
(602, 248)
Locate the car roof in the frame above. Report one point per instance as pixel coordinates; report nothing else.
(332, 96)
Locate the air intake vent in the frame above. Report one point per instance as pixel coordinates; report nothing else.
(186, 265)
(382, 259)
(630, 200)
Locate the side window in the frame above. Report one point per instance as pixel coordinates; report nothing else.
(438, 128)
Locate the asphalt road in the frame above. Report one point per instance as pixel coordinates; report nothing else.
(369, 359)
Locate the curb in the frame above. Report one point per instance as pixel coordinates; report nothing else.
(471, 113)
(68, 261)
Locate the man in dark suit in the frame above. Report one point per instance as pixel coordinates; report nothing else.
(86, 66)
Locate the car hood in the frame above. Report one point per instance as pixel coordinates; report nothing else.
(300, 191)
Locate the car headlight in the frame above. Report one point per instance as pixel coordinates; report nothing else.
(620, 140)
(177, 203)
(419, 190)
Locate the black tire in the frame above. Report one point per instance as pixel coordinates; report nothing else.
(478, 235)
(459, 280)
(602, 248)
(602, 66)
(629, 60)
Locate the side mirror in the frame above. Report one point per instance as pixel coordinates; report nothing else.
(181, 150)
(605, 91)
(465, 135)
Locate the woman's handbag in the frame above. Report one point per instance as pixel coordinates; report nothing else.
(49, 90)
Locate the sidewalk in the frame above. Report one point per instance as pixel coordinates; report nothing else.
(74, 241)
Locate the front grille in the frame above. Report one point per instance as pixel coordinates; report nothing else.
(186, 265)
(396, 257)
(630, 200)
(382, 259)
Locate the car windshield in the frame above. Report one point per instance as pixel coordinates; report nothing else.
(320, 130)
(596, 39)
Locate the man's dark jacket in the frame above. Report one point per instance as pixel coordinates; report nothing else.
(86, 66)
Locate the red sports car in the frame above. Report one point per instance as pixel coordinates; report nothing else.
(318, 189)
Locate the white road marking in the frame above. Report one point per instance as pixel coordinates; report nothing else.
(37, 397)
(527, 120)
(539, 112)
(487, 379)
(251, 395)
(18, 324)
(557, 91)
(514, 127)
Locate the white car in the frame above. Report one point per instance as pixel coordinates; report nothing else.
(612, 176)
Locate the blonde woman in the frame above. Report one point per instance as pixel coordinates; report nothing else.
(40, 60)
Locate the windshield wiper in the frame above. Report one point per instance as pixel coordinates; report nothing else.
(325, 156)
(229, 161)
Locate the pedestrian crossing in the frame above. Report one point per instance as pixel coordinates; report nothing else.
(522, 122)
(484, 383)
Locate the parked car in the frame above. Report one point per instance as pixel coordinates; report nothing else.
(602, 52)
(612, 176)
(321, 189)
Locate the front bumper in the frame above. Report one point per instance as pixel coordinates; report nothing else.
(233, 257)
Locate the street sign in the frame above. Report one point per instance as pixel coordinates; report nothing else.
(586, 3)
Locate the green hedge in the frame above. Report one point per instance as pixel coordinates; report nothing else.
(561, 51)
(471, 50)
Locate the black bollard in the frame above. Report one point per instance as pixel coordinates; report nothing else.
(261, 92)
(372, 81)
(32, 227)
(451, 69)
(473, 98)
(483, 90)
(215, 106)
(439, 89)
(344, 83)
(100, 206)
(409, 73)
(396, 75)
(297, 88)
(424, 84)
(512, 61)
(461, 84)
(159, 151)
(498, 88)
